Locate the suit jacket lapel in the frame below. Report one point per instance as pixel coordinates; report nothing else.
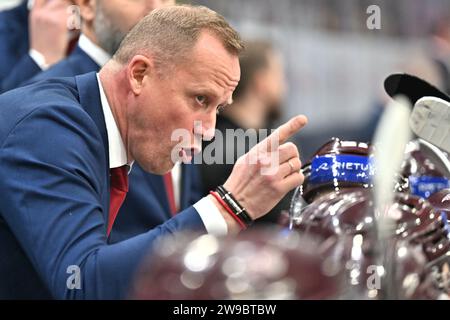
(90, 101)
(156, 182)
(81, 63)
(186, 185)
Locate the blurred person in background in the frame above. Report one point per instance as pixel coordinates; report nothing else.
(257, 104)
(33, 36)
(439, 49)
(104, 24)
(152, 199)
(420, 64)
(60, 188)
(431, 64)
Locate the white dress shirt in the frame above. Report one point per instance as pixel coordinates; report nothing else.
(212, 218)
(9, 4)
(100, 56)
(39, 59)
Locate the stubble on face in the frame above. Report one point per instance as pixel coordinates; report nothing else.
(115, 18)
(168, 103)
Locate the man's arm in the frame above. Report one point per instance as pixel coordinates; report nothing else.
(52, 165)
(48, 41)
(25, 69)
(51, 200)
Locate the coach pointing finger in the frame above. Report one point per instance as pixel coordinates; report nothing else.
(67, 146)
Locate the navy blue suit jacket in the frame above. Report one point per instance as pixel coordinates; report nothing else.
(54, 199)
(78, 62)
(16, 65)
(146, 205)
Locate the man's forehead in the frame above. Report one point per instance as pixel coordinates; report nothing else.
(207, 64)
(209, 50)
(210, 71)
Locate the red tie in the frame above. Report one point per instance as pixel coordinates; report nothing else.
(168, 183)
(118, 191)
(72, 44)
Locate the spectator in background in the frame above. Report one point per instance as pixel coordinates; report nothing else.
(31, 41)
(420, 65)
(432, 65)
(439, 49)
(61, 191)
(257, 103)
(104, 24)
(152, 199)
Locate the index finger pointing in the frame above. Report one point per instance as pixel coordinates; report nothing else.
(288, 129)
(283, 133)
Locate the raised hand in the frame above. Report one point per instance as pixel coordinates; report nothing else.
(271, 169)
(49, 34)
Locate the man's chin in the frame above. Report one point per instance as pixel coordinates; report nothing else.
(187, 155)
(159, 169)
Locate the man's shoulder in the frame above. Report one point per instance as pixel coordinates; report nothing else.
(56, 98)
(61, 69)
(48, 92)
(78, 62)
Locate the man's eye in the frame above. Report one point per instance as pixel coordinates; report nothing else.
(201, 100)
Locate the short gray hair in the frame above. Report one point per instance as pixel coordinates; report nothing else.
(169, 33)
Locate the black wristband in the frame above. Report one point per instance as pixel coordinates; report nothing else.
(234, 205)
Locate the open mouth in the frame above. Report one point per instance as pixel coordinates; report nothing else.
(186, 154)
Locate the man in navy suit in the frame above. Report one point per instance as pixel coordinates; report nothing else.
(25, 54)
(65, 146)
(105, 24)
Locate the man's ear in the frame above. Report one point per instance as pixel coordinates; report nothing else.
(139, 69)
(87, 10)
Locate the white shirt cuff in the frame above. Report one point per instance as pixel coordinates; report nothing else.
(213, 220)
(39, 59)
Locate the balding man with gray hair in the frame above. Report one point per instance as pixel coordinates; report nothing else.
(60, 190)
(152, 199)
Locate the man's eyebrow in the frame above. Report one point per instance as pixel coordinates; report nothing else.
(207, 91)
(210, 92)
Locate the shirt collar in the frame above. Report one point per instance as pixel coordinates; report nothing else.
(117, 150)
(100, 56)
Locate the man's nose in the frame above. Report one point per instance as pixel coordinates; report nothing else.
(206, 127)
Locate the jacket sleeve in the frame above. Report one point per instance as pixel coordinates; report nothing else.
(51, 182)
(13, 38)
